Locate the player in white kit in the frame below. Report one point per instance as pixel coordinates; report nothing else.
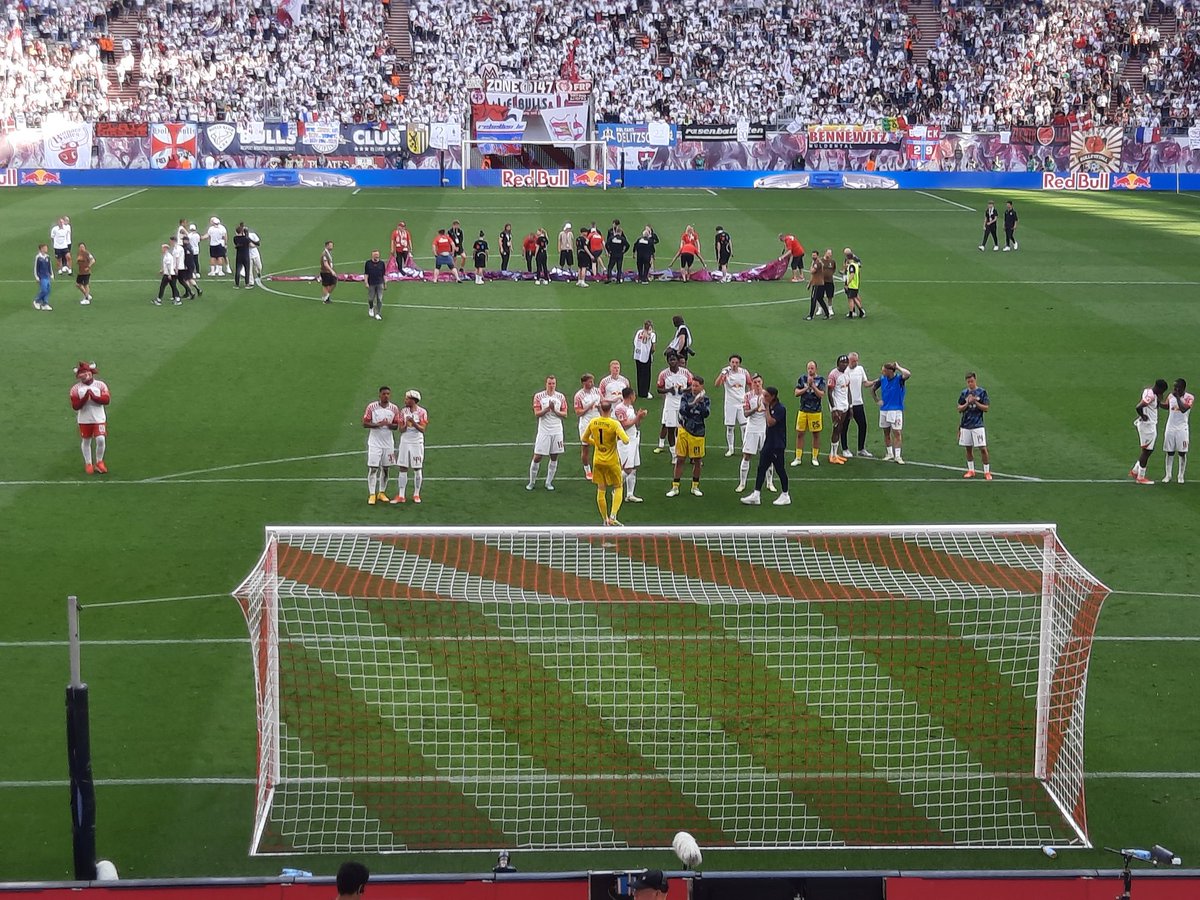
(60, 240)
(1175, 437)
(630, 454)
(410, 454)
(380, 418)
(216, 236)
(255, 258)
(550, 408)
(1146, 424)
(613, 385)
(89, 399)
(673, 381)
(837, 387)
(734, 379)
(587, 407)
(754, 404)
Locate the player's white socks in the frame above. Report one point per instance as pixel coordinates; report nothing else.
(970, 465)
(743, 471)
(373, 480)
(729, 438)
(102, 442)
(770, 482)
(890, 453)
(662, 442)
(630, 484)
(418, 477)
(1182, 466)
(86, 446)
(533, 473)
(987, 468)
(587, 470)
(401, 483)
(551, 471)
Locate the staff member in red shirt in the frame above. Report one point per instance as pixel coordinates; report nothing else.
(529, 245)
(794, 251)
(402, 246)
(688, 252)
(443, 254)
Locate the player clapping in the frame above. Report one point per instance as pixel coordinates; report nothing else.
(411, 453)
(89, 399)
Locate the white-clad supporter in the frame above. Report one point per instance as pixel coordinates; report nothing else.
(256, 267)
(60, 242)
(549, 408)
(630, 453)
(410, 454)
(587, 407)
(735, 379)
(673, 381)
(216, 236)
(856, 377)
(380, 418)
(170, 276)
(754, 404)
(1178, 430)
(193, 251)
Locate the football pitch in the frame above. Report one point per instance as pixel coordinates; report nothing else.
(244, 408)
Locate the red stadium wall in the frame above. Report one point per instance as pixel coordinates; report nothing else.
(563, 889)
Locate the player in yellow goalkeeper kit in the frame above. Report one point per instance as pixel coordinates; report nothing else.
(602, 433)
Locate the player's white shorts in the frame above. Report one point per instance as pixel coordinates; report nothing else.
(972, 437)
(548, 444)
(380, 456)
(630, 454)
(752, 442)
(410, 455)
(1147, 433)
(735, 414)
(583, 423)
(670, 415)
(1175, 440)
(891, 418)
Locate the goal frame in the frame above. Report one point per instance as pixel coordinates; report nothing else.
(265, 650)
(601, 148)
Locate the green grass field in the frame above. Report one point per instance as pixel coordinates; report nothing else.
(243, 409)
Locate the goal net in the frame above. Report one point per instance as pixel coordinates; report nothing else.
(572, 688)
(519, 163)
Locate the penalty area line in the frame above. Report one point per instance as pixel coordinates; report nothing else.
(951, 202)
(119, 199)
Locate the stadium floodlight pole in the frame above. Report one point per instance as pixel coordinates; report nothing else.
(79, 758)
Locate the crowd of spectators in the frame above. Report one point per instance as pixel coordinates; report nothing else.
(992, 66)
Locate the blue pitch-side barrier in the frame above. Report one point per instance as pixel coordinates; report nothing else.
(565, 178)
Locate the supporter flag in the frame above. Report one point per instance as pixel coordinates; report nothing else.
(288, 11)
(567, 125)
(1147, 135)
(173, 143)
(922, 142)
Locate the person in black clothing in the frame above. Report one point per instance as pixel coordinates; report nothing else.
(1010, 227)
(989, 227)
(542, 276)
(616, 244)
(584, 255)
(724, 248)
(241, 258)
(480, 251)
(375, 269)
(772, 453)
(643, 254)
(460, 256)
(505, 242)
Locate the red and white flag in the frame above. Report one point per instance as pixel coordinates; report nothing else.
(288, 11)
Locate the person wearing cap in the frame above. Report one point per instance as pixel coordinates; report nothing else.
(217, 236)
(410, 454)
(256, 266)
(566, 248)
(694, 407)
(380, 418)
(650, 885)
(89, 399)
(888, 390)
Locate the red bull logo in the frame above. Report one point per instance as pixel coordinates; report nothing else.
(1076, 181)
(1131, 181)
(41, 177)
(536, 178)
(590, 178)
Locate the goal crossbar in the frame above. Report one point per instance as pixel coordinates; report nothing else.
(579, 688)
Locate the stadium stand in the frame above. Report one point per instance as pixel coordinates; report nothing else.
(957, 63)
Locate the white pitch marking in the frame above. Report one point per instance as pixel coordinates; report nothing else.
(355, 191)
(951, 202)
(1156, 594)
(714, 193)
(119, 199)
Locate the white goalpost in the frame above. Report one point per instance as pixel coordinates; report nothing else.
(586, 688)
(535, 164)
